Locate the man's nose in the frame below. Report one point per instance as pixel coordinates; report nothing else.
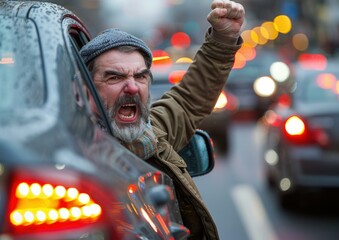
(131, 87)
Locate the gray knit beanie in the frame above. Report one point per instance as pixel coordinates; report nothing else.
(113, 38)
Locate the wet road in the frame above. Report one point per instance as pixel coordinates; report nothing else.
(245, 207)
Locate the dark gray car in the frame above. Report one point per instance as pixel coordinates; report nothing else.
(61, 175)
(302, 142)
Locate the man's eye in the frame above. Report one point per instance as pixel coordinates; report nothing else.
(141, 77)
(114, 79)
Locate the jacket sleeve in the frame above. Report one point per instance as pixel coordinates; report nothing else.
(181, 109)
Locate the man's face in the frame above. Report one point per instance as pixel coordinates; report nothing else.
(122, 81)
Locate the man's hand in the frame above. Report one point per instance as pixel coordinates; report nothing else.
(226, 18)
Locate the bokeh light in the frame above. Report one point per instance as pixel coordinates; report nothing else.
(184, 60)
(176, 76)
(312, 61)
(161, 57)
(283, 24)
(247, 38)
(271, 30)
(280, 71)
(294, 126)
(240, 61)
(264, 86)
(326, 80)
(300, 41)
(247, 51)
(257, 35)
(180, 40)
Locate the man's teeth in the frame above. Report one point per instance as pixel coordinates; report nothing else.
(127, 117)
(127, 111)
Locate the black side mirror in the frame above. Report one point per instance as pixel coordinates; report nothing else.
(199, 154)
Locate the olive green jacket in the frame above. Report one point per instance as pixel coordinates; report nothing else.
(174, 119)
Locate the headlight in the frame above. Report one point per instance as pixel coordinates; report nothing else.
(221, 103)
(280, 71)
(264, 86)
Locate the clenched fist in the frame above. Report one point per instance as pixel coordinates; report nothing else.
(226, 17)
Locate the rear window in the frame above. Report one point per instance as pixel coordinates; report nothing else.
(21, 70)
(319, 87)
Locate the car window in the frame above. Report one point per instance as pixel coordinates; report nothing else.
(21, 88)
(319, 88)
(84, 87)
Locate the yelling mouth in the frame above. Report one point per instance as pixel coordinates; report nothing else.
(127, 112)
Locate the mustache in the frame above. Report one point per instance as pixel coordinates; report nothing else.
(128, 99)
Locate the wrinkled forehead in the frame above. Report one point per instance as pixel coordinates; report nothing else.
(127, 62)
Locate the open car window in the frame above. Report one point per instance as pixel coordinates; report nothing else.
(92, 101)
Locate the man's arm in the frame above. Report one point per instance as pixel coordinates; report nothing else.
(180, 110)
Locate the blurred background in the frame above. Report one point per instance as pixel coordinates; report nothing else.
(310, 24)
(278, 36)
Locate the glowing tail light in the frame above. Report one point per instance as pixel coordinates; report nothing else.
(46, 204)
(45, 200)
(295, 126)
(297, 131)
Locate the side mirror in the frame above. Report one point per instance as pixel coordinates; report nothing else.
(199, 154)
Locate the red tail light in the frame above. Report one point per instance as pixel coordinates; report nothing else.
(43, 201)
(295, 126)
(298, 131)
(46, 204)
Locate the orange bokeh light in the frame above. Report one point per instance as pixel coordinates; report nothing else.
(240, 61)
(176, 76)
(161, 57)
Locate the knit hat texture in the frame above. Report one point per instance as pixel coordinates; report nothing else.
(113, 38)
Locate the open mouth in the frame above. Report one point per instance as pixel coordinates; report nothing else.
(127, 112)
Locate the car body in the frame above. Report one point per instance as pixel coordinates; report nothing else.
(302, 141)
(62, 176)
(217, 123)
(254, 86)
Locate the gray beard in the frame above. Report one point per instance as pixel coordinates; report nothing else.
(130, 132)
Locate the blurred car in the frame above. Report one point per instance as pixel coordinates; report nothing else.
(61, 175)
(259, 83)
(216, 124)
(302, 143)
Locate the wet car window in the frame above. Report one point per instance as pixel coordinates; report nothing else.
(20, 88)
